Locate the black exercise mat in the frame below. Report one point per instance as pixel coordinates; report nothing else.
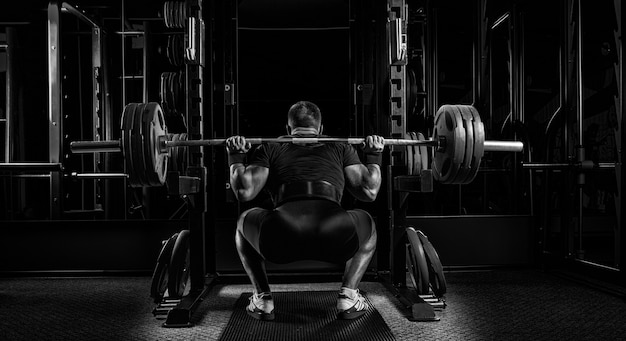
(305, 315)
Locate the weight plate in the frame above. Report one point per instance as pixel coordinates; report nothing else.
(479, 144)
(181, 87)
(153, 126)
(418, 266)
(169, 49)
(170, 91)
(175, 90)
(175, 14)
(162, 99)
(127, 141)
(179, 266)
(435, 269)
(409, 156)
(423, 151)
(447, 162)
(412, 91)
(181, 19)
(170, 14)
(467, 119)
(165, 19)
(180, 48)
(417, 158)
(158, 129)
(139, 164)
(160, 274)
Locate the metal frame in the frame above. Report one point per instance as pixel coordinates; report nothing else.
(55, 107)
(396, 281)
(180, 316)
(55, 98)
(8, 48)
(620, 171)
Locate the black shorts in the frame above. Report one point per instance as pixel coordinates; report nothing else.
(312, 229)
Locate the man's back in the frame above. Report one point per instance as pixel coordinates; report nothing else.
(292, 163)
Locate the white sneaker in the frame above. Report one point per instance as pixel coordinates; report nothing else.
(351, 304)
(261, 306)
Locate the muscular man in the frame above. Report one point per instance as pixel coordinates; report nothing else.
(308, 222)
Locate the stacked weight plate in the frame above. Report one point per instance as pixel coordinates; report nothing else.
(175, 14)
(424, 265)
(462, 137)
(178, 155)
(175, 50)
(171, 94)
(171, 272)
(417, 156)
(142, 125)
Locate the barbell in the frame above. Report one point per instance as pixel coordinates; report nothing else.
(458, 145)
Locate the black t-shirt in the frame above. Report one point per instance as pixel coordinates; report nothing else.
(289, 162)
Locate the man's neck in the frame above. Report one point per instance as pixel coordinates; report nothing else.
(304, 131)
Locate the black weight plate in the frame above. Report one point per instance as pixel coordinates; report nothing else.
(168, 14)
(179, 266)
(435, 269)
(155, 128)
(479, 144)
(162, 98)
(467, 119)
(146, 134)
(174, 85)
(137, 148)
(449, 125)
(170, 91)
(418, 265)
(160, 274)
(150, 155)
(127, 126)
(412, 92)
(181, 20)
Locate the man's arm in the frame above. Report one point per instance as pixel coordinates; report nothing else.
(245, 181)
(363, 180)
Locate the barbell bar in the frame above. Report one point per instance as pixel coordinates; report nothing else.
(115, 146)
(78, 147)
(458, 144)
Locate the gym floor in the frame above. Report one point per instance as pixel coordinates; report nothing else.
(482, 305)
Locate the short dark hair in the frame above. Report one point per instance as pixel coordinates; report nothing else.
(304, 114)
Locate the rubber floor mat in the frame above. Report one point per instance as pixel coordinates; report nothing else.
(305, 315)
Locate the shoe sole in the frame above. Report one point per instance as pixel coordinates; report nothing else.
(345, 315)
(259, 315)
